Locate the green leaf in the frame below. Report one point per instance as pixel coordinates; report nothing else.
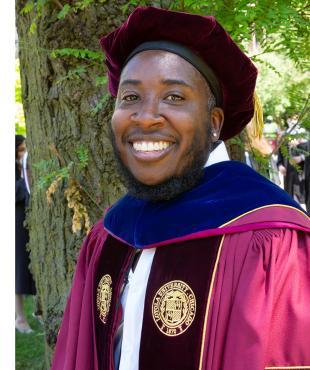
(64, 11)
(82, 154)
(72, 74)
(39, 6)
(78, 53)
(28, 7)
(19, 129)
(81, 5)
(33, 27)
(101, 80)
(101, 104)
(124, 8)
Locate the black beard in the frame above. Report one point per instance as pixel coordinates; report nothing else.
(191, 175)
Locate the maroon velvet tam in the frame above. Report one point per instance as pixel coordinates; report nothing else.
(205, 37)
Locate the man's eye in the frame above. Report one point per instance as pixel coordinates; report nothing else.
(174, 97)
(130, 97)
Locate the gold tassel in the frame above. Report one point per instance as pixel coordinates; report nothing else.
(258, 119)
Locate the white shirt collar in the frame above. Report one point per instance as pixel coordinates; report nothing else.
(219, 154)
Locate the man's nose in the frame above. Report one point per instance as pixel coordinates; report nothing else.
(148, 114)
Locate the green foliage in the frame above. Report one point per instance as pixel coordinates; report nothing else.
(101, 104)
(77, 6)
(33, 26)
(280, 26)
(286, 152)
(282, 88)
(49, 170)
(20, 129)
(82, 155)
(101, 80)
(18, 85)
(64, 11)
(73, 74)
(40, 5)
(262, 162)
(36, 8)
(77, 53)
(81, 5)
(236, 140)
(28, 7)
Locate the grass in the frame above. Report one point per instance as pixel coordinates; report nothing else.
(29, 353)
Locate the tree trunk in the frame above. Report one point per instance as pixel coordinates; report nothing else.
(58, 108)
(235, 147)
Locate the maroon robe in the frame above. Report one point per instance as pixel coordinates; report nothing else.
(251, 282)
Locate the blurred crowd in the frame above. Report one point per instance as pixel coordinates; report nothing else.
(288, 151)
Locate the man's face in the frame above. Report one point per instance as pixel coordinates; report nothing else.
(161, 118)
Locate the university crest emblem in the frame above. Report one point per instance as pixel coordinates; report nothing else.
(174, 308)
(104, 295)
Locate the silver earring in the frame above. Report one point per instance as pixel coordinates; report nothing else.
(214, 134)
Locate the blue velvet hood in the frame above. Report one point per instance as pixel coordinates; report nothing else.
(227, 190)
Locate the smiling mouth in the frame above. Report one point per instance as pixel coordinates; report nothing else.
(150, 146)
(150, 150)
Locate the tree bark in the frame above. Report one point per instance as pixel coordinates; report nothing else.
(58, 112)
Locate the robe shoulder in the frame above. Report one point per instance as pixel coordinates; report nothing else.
(93, 240)
(259, 316)
(271, 216)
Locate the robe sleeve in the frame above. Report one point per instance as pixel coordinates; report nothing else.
(260, 313)
(76, 347)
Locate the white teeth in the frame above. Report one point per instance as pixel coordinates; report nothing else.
(150, 146)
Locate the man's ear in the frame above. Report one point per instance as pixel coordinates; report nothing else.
(217, 120)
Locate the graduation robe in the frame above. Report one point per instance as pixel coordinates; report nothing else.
(229, 286)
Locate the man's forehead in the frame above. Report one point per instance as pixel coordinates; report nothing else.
(168, 67)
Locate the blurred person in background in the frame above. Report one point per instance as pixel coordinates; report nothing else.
(271, 132)
(294, 165)
(24, 283)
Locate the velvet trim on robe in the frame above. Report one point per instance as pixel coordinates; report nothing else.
(228, 190)
(115, 260)
(179, 284)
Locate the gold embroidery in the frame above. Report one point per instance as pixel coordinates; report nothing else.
(104, 295)
(174, 308)
(209, 300)
(269, 206)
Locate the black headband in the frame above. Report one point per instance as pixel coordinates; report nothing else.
(190, 57)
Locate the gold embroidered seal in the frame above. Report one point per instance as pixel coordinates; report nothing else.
(104, 295)
(174, 308)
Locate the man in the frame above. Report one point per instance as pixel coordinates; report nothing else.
(197, 267)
